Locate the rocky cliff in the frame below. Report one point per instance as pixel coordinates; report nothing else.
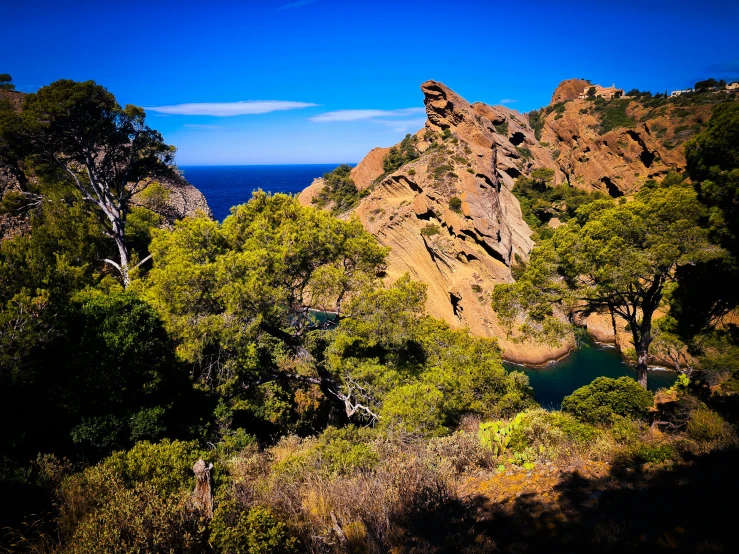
(449, 215)
(616, 146)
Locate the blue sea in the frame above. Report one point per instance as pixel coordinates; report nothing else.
(229, 185)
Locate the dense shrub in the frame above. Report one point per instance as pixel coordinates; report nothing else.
(137, 520)
(599, 401)
(166, 465)
(235, 530)
(613, 115)
(646, 453)
(400, 155)
(339, 190)
(430, 230)
(550, 431)
(455, 204)
(707, 426)
(540, 202)
(135, 501)
(416, 408)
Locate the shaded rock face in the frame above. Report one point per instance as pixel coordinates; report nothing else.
(460, 249)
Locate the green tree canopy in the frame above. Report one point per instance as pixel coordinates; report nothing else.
(6, 82)
(616, 258)
(713, 164)
(243, 297)
(599, 401)
(106, 152)
(281, 293)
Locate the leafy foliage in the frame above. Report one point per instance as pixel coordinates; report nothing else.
(132, 501)
(104, 152)
(430, 230)
(614, 257)
(613, 114)
(540, 201)
(400, 155)
(421, 376)
(599, 401)
(339, 191)
(6, 82)
(255, 531)
(455, 204)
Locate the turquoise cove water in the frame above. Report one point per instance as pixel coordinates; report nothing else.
(555, 381)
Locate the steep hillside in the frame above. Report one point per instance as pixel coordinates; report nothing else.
(449, 215)
(616, 145)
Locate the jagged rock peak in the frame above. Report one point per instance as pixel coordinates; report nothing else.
(569, 89)
(445, 108)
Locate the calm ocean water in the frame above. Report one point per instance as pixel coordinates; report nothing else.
(229, 185)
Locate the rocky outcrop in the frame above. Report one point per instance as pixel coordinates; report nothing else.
(618, 146)
(180, 200)
(307, 195)
(369, 169)
(449, 216)
(569, 89)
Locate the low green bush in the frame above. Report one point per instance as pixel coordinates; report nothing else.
(455, 204)
(430, 230)
(234, 530)
(134, 501)
(400, 155)
(625, 430)
(166, 465)
(707, 426)
(548, 430)
(339, 190)
(599, 401)
(647, 453)
(343, 451)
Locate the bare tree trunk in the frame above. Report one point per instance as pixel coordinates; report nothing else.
(642, 358)
(616, 342)
(641, 338)
(123, 255)
(203, 493)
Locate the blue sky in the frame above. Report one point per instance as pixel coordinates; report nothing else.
(324, 81)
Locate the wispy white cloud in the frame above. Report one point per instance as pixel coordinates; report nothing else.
(295, 5)
(508, 101)
(402, 125)
(228, 109)
(357, 115)
(199, 126)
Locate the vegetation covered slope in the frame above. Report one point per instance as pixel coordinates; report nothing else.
(259, 388)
